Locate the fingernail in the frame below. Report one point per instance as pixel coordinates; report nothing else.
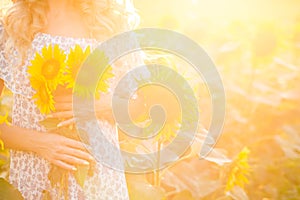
(59, 125)
(74, 168)
(91, 157)
(49, 116)
(86, 163)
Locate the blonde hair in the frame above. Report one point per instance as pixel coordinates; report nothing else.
(104, 18)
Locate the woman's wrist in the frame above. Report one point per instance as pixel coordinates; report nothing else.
(32, 140)
(20, 138)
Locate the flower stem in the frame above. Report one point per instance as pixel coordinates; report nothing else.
(157, 171)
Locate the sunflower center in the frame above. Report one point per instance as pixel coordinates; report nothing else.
(50, 69)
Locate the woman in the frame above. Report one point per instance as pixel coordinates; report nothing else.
(27, 27)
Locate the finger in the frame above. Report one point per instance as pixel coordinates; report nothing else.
(66, 122)
(64, 165)
(62, 114)
(73, 160)
(79, 154)
(75, 144)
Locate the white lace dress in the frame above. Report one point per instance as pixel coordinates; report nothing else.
(28, 171)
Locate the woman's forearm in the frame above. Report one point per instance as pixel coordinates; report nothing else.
(19, 138)
(59, 150)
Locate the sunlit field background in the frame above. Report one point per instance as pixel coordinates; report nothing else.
(256, 48)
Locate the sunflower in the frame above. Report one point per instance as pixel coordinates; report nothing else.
(167, 133)
(43, 96)
(50, 65)
(4, 119)
(75, 60)
(85, 85)
(102, 84)
(239, 171)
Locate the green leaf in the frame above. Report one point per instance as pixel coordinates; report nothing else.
(144, 190)
(7, 191)
(56, 174)
(84, 136)
(81, 174)
(58, 177)
(46, 195)
(92, 168)
(50, 123)
(66, 132)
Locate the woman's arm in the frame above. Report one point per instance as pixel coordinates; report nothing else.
(59, 150)
(64, 107)
(103, 108)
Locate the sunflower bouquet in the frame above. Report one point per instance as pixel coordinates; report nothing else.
(54, 72)
(52, 69)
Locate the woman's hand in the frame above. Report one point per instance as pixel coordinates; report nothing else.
(102, 107)
(64, 106)
(62, 151)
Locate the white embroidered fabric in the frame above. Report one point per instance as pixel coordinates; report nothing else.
(28, 171)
